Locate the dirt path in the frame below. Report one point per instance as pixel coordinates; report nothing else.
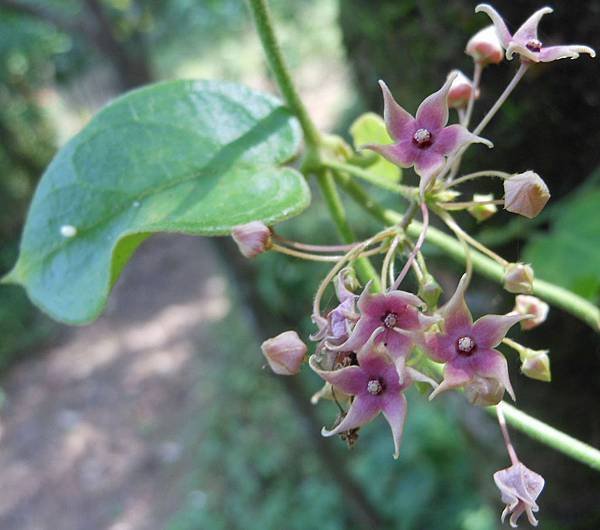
(92, 435)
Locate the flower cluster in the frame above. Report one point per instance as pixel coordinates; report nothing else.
(371, 346)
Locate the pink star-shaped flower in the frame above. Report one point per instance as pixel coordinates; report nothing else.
(394, 313)
(468, 348)
(423, 141)
(525, 40)
(377, 384)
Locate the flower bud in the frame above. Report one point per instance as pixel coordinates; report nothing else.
(526, 194)
(252, 238)
(484, 391)
(460, 91)
(481, 212)
(536, 364)
(285, 353)
(518, 278)
(430, 291)
(531, 305)
(485, 47)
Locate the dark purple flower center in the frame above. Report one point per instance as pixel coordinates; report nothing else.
(374, 387)
(465, 345)
(422, 138)
(534, 45)
(390, 320)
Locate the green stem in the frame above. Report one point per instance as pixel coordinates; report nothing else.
(405, 191)
(553, 294)
(544, 433)
(264, 26)
(332, 198)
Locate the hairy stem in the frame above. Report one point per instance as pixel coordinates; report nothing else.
(264, 25)
(365, 269)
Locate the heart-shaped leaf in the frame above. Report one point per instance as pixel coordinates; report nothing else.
(197, 157)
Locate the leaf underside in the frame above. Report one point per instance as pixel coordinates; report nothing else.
(196, 157)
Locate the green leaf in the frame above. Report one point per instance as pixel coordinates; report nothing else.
(569, 255)
(197, 157)
(370, 128)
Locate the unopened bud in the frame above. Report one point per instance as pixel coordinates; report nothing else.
(481, 212)
(536, 364)
(518, 278)
(484, 391)
(285, 353)
(430, 291)
(460, 91)
(526, 194)
(252, 238)
(485, 47)
(531, 305)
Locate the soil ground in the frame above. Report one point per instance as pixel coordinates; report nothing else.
(93, 431)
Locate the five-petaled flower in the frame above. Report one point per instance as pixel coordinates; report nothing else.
(520, 487)
(525, 40)
(425, 140)
(468, 348)
(396, 314)
(377, 384)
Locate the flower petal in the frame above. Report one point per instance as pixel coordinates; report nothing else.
(427, 166)
(432, 113)
(397, 120)
(362, 411)
(501, 29)
(364, 328)
(489, 330)
(398, 345)
(440, 347)
(402, 154)
(454, 377)
(394, 411)
(571, 51)
(492, 364)
(529, 29)
(450, 139)
(350, 380)
(395, 301)
(455, 312)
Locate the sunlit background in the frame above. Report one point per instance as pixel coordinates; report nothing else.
(161, 414)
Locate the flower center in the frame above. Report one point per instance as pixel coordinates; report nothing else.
(390, 320)
(534, 45)
(374, 387)
(465, 345)
(422, 138)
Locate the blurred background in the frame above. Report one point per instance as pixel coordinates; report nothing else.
(161, 414)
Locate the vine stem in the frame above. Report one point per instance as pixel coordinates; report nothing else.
(557, 296)
(544, 433)
(264, 26)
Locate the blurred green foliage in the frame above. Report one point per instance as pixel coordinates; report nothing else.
(569, 253)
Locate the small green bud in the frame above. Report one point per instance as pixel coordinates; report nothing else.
(430, 291)
(481, 212)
